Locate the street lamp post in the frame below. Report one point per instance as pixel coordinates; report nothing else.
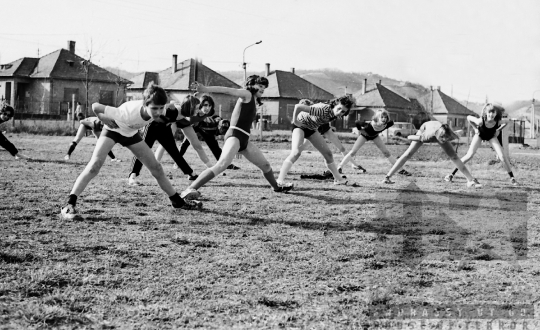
(533, 130)
(244, 58)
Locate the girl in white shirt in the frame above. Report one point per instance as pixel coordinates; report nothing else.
(121, 126)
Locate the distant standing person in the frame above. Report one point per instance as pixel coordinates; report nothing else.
(487, 128)
(92, 124)
(7, 113)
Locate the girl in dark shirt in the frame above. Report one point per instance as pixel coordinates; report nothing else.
(370, 132)
(487, 128)
(6, 113)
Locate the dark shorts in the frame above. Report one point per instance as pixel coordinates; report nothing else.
(324, 128)
(307, 132)
(123, 140)
(486, 137)
(370, 138)
(242, 137)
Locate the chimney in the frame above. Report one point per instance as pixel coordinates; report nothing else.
(364, 86)
(174, 63)
(292, 70)
(71, 46)
(267, 69)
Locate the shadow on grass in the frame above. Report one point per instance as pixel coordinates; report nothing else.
(54, 161)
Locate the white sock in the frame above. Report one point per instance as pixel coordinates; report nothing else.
(285, 168)
(332, 167)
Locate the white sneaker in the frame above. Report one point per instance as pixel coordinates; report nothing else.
(474, 184)
(449, 178)
(340, 183)
(175, 166)
(21, 156)
(69, 212)
(387, 181)
(66, 157)
(132, 181)
(190, 194)
(284, 187)
(514, 182)
(116, 160)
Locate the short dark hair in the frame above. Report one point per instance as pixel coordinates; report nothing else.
(155, 94)
(6, 108)
(346, 100)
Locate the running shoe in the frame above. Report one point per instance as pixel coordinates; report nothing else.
(358, 168)
(328, 174)
(190, 205)
(387, 181)
(474, 184)
(403, 172)
(175, 166)
(284, 187)
(514, 182)
(340, 183)
(116, 160)
(66, 157)
(69, 212)
(449, 178)
(192, 177)
(132, 181)
(233, 167)
(190, 194)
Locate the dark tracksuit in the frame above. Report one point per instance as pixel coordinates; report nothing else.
(208, 130)
(4, 142)
(160, 130)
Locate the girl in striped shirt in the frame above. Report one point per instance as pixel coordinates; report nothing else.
(370, 132)
(306, 121)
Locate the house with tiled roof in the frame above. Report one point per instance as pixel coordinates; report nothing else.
(446, 110)
(177, 79)
(46, 86)
(368, 102)
(285, 89)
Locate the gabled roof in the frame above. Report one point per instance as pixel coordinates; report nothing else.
(21, 67)
(444, 104)
(60, 64)
(289, 85)
(186, 73)
(381, 97)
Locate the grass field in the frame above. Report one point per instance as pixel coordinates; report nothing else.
(320, 257)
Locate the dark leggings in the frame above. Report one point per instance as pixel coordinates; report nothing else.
(4, 142)
(164, 135)
(209, 138)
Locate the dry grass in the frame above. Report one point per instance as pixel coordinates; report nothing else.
(318, 257)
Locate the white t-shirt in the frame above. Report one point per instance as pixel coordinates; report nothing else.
(127, 117)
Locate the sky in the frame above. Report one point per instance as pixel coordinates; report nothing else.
(474, 49)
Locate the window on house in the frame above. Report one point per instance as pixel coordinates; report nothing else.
(70, 63)
(106, 98)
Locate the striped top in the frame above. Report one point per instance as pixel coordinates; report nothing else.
(319, 114)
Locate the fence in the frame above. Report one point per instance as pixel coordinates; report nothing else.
(42, 110)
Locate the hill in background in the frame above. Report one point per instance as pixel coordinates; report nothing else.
(339, 82)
